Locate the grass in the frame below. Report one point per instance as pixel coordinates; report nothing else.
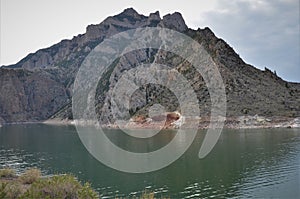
(30, 176)
(11, 190)
(32, 185)
(64, 186)
(7, 173)
(146, 195)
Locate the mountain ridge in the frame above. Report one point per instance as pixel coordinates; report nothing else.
(99, 32)
(44, 79)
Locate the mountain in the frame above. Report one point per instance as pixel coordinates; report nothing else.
(39, 86)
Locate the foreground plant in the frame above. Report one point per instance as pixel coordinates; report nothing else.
(64, 186)
(32, 185)
(30, 176)
(7, 173)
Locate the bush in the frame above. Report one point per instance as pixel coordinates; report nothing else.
(13, 190)
(2, 190)
(65, 186)
(7, 173)
(87, 192)
(150, 195)
(146, 195)
(30, 176)
(31, 185)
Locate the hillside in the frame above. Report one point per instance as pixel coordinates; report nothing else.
(39, 86)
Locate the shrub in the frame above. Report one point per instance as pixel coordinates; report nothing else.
(13, 190)
(2, 190)
(7, 173)
(30, 176)
(87, 192)
(65, 186)
(151, 195)
(31, 185)
(146, 195)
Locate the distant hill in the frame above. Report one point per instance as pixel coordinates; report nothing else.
(39, 86)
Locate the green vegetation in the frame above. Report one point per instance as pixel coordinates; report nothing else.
(104, 83)
(146, 195)
(7, 173)
(64, 186)
(32, 185)
(30, 176)
(149, 195)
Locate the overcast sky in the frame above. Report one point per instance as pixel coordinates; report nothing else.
(265, 33)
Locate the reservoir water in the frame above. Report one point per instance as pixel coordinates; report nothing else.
(254, 163)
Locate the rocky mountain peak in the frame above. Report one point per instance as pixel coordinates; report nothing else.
(130, 12)
(154, 16)
(130, 19)
(95, 33)
(174, 21)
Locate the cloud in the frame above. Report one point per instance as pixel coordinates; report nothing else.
(264, 32)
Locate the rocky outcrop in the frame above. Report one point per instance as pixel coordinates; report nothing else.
(174, 21)
(40, 85)
(27, 96)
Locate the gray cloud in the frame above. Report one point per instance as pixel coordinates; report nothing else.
(264, 32)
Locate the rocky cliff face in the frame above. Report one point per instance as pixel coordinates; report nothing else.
(29, 96)
(40, 85)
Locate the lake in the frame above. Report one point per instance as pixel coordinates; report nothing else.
(254, 163)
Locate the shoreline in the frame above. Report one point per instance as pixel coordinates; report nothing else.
(241, 122)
